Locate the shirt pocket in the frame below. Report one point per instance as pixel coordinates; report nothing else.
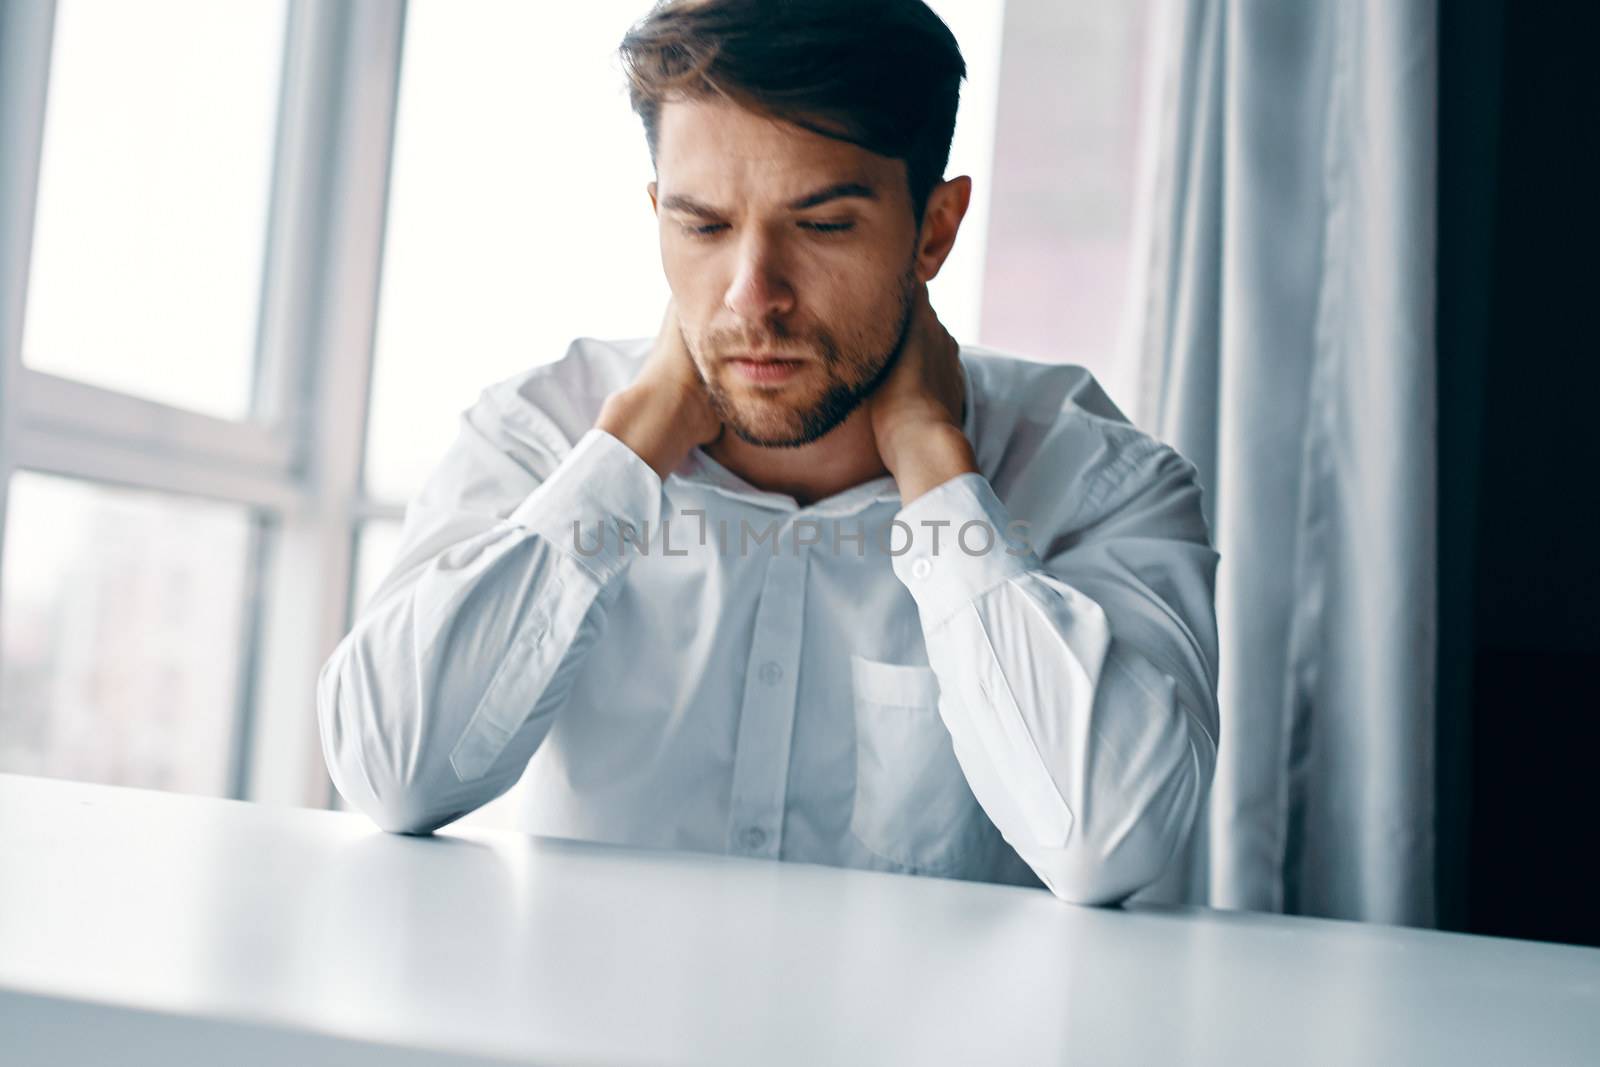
(912, 804)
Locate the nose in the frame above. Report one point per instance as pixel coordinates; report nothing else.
(759, 290)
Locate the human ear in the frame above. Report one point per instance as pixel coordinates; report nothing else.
(941, 220)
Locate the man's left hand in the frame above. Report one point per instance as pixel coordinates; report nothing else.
(917, 411)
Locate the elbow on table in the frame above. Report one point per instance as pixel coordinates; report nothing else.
(406, 815)
(418, 806)
(396, 807)
(398, 795)
(1083, 875)
(1126, 847)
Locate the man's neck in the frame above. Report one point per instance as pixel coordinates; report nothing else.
(843, 458)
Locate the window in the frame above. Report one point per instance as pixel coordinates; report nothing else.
(518, 218)
(174, 492)
(152, 205)
(1066, 156)
(121, 635)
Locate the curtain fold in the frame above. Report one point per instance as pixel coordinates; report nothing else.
(1283, 327)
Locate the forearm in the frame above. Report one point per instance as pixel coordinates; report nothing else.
(454, 675)
(423, 717)
(1081, 705)
(1093, 770)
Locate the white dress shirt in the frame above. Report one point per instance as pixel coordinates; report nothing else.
(697, 663)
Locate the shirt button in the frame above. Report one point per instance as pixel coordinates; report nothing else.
(770, 672)
(920, 568)
(753, 837)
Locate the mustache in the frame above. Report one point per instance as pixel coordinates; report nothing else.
(787, 343)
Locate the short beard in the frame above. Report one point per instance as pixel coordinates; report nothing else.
(839, 401)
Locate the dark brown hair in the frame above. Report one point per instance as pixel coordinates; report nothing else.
(881, 74)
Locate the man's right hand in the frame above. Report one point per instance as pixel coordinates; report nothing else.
(664, 412)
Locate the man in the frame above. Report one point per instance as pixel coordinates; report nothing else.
(801, 577)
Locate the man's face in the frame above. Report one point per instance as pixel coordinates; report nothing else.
(779, 242)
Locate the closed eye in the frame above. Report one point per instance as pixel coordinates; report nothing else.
(711, 229)
(827, 227)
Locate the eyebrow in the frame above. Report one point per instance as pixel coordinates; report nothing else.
(834, 192)
(688, 205)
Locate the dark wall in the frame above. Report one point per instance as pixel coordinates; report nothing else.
(1519, 422)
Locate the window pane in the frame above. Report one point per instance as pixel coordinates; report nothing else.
(497, 255)
(957, 293)
(150, 231)
(121, 624)
(1065, 158)
(518, 217)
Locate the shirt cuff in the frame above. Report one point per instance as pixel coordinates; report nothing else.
(962, 543)
(598, 506)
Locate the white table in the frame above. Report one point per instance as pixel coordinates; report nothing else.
(143, 927)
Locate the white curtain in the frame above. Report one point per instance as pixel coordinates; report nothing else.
(1283, 323)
